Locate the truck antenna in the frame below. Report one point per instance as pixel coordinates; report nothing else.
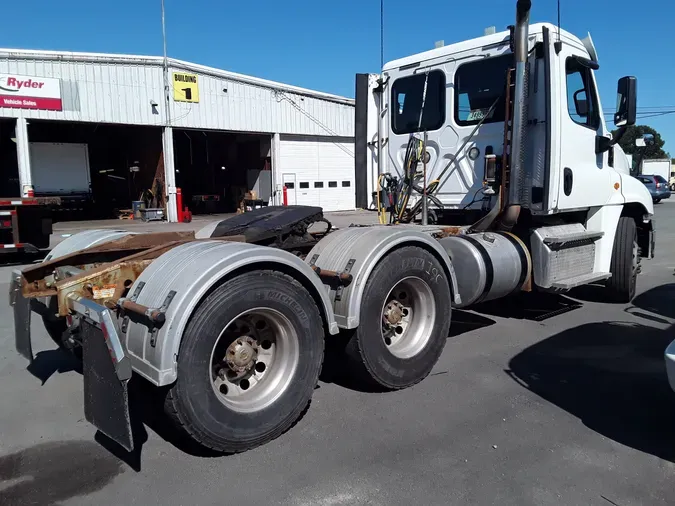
(558, 45)
(381, 34)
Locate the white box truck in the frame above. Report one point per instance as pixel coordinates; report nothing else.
(657, 167)
(230, 325)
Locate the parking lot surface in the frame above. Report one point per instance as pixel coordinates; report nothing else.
(559, 400)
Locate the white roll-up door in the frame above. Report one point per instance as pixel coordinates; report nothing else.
(323, 169)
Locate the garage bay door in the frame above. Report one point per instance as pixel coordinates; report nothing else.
(318, 171)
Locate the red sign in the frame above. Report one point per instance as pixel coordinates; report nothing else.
(49, 104)
(24, 92)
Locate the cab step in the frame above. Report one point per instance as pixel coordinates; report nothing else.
(583, 279)
(563, 256)
(580, 236)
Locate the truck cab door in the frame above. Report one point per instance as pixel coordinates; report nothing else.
(585, 177)
(412, 112)
(460, 92)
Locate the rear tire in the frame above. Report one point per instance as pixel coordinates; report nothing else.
(625, 262)
(656, 201)
(224, 399)
(409, 283)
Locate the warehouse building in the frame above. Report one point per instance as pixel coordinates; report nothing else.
(101, 131)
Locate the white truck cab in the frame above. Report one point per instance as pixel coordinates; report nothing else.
(463, 80)
(521, 131)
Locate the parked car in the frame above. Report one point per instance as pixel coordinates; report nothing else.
(657, 186)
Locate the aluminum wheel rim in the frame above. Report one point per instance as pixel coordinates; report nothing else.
(408, 325)
(249, 377)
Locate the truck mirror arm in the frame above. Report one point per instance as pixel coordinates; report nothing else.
(603, 144)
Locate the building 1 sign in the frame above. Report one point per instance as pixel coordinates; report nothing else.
(29, 92)
(185, 87)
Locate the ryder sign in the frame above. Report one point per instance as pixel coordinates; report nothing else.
(27, 92)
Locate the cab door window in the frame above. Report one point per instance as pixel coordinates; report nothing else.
(407, 102)
(582, 103)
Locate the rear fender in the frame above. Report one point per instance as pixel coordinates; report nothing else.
(359, 249)
(191, 271)
(84, 240)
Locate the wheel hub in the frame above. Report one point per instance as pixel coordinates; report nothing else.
(393, 313)
(242, 354)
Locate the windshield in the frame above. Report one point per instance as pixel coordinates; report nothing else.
(660, 179)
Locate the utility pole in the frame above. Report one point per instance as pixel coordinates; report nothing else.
(167, 97)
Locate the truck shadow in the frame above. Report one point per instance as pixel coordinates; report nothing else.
(611, 376)
(51, 473)
(535, 306)
(47, 363)
(659, 300)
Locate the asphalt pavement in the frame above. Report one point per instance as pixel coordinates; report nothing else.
(523, 408)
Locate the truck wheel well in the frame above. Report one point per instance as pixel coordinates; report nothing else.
(636, 212)
(279, 267)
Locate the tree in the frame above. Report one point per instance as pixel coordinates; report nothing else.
(627, 143)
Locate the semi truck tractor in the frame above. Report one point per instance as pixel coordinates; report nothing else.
(504, 134)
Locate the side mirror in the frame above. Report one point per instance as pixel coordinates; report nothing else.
(646, 140)
(626, 102)
(581, 104)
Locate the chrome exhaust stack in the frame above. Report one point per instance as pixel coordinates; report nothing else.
(518, 145)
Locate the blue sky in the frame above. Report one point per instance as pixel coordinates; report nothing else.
(321, 45)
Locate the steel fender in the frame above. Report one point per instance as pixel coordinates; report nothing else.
(191, 270)
(84, 240)
(363, 248)
(635, 192)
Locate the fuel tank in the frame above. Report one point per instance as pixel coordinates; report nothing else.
(488, 265)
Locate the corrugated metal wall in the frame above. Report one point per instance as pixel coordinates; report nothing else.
(231, 105)
(121, 89)
(95, 92)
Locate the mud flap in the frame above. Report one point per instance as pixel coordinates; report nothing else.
(22, 312)
(107, 371)
(106, 398)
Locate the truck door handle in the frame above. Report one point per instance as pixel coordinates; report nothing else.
(568, 181)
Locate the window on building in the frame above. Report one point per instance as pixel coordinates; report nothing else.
(582, 102)
(290, 186)
(406, 103)
(346, 184)
(332, 184)
(304, 185)
(318, 184)
(478, 85)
